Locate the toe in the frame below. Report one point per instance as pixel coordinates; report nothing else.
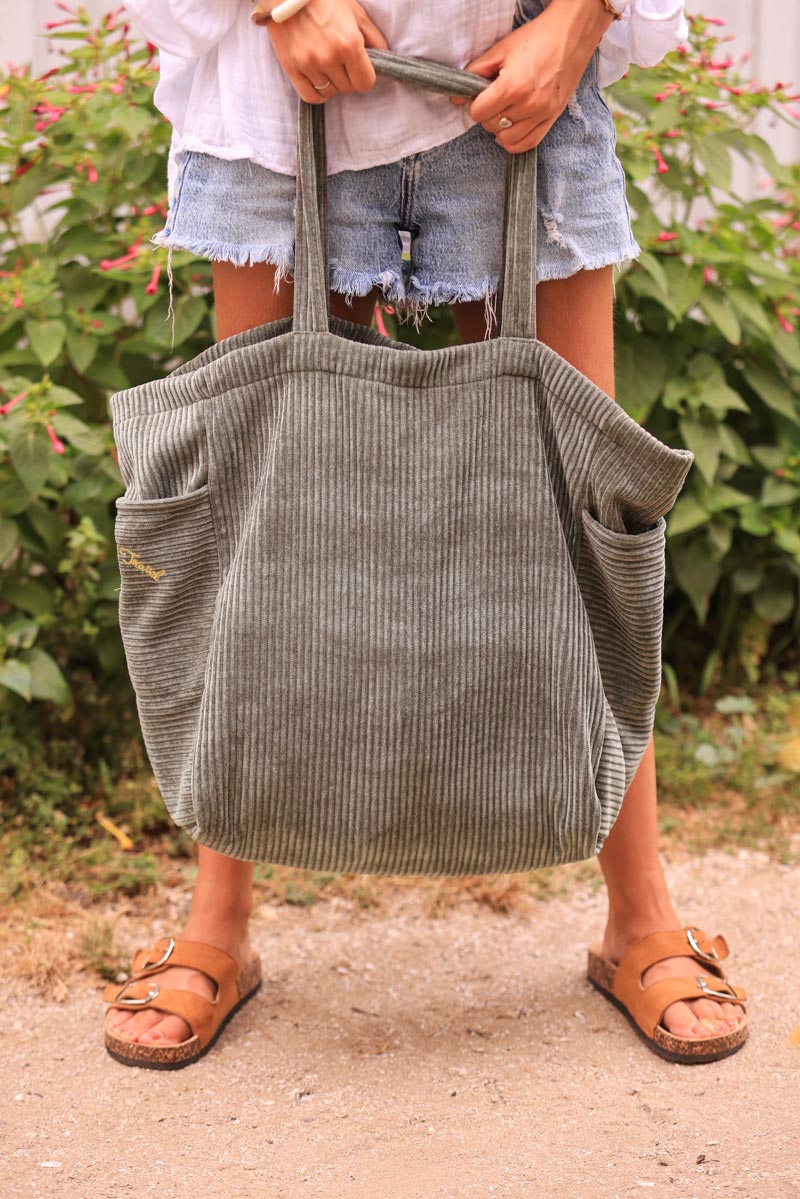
(681, 1021)
(170, 1030)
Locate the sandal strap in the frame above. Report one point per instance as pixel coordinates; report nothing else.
(647, 1006)
(675, 943)
(166, 952)
(200, 1013)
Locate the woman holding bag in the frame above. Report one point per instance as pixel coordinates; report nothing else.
(407, 159)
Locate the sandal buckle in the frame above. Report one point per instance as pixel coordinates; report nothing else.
(710, 957)
(730, 994)
(132, 1000)
(148, 965)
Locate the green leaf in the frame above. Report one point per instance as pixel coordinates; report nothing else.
(752, 521)
(749, 307)
(47, 339)
(62, 397)
(770, 386)
(49, 525)
(721, 315)
(775, 599)
(640, 370)
(733, 446)
(788, 346)
(46, 679)
(30, 451)
(716, 159)
(81, 349)
(721, 496)
(704, 441)
(16, 676)
(132, 121)
(8, 538)
(747, 578)
(85, 439)
(685, 283)
(697, 573)
(778, 491)
(30, 595)
(687, 513)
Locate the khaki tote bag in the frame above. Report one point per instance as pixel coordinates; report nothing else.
(387, 609)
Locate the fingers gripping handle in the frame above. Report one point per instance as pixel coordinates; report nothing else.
(517, 287)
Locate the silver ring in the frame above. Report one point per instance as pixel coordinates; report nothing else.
(321, 87)
(504, 123)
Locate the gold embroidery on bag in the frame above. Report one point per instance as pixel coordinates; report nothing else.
(133, 559)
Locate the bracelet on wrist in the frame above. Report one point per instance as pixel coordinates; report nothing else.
(616, 13)
(276, 13)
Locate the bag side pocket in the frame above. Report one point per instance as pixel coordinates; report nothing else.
(170, 578)
(622, 576)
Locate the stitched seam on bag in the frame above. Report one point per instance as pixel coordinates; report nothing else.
(411, 386)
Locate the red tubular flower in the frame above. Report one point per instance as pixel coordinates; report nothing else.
(665, 235)
(17, 301)
(110, 264)
(58, 445)
(785, 324)
(9, 404)
(662, 166)
(379, 321)
(152, 286)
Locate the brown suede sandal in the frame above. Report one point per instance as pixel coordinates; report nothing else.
(644, 1006)
(205, 1017)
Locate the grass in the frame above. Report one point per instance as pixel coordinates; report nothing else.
(728, 769)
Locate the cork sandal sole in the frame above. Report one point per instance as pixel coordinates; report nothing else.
(600, 973)
(175, 1057)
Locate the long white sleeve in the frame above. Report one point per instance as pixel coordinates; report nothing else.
(647, 30)
(184, 28)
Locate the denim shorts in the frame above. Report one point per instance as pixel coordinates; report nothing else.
(426, 229)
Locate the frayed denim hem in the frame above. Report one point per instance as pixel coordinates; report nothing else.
(412, 303)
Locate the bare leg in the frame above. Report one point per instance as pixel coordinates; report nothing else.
(222, 900)
(575, 318)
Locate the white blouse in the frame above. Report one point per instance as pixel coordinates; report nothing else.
(225, 93)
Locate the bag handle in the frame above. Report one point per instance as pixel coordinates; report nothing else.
(517, 286)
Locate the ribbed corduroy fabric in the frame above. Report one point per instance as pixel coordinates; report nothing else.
(386, 609)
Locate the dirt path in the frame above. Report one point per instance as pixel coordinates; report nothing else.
(393, 1055)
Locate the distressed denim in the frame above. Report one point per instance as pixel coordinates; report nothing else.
(426, 229)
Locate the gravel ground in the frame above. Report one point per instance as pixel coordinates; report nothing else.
(394, 1055)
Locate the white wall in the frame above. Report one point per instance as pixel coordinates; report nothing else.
(770, 30)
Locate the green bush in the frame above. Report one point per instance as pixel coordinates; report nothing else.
(708, 356)
(708, 353)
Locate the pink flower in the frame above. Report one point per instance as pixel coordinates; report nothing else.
(785, 324)
(152, 286)
(379, 321)
(664, 235)
(9, 404)
(17, 301)
(112, 264)
(58, 445)
(662, 166)
(709, 274)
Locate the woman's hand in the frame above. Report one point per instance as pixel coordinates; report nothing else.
(538, 66)
(325, 41)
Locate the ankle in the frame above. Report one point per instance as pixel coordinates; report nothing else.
(225, 919)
